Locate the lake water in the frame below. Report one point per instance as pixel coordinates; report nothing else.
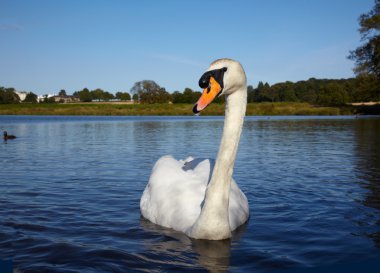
(70, 189)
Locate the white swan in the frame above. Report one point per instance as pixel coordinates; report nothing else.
(180, 194)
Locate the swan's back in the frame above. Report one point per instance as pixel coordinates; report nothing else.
(175, 192)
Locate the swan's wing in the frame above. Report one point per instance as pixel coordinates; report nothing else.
(202, 167)
(238, 206)
(238, 203)
(175, 192)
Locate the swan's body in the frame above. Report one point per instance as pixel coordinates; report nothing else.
(194, 196)
(176, 190)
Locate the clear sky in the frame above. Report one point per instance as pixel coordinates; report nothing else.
(50, 45)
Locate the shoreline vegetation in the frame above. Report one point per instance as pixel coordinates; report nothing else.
(183, 109)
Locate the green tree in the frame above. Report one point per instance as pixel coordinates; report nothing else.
(84, 95)
(338, 96)
(8, 95)
(259, 92)
(31, 98)
(150, 92)
(250, 93)
(191, 96)
(305, 91)
(177, 97)
(135, 97)
(97, 94)
(188, 96)
(268, 94)
(366, 88)
(332, 93)
(62, 93)
(285, 91)
(123, 96)
(367, 56)
(107, 96)
(324, 92)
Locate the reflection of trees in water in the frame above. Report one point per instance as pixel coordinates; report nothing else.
(211, 255)
(367, 134)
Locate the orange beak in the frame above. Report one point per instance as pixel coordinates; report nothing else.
(208, 95)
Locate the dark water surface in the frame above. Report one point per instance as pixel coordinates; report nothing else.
(70, 189)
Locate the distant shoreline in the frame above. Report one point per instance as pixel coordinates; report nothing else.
(126, 109)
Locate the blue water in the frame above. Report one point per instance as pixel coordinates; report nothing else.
(70, 190)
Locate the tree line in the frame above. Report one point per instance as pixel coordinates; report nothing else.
(85, 95)
(313, 91)
(318, 91)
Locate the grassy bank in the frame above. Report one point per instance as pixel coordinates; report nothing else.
(108, 109)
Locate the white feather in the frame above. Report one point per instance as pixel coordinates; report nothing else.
(176, 190)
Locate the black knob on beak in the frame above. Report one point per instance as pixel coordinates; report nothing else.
(217, 74)
(204, 80)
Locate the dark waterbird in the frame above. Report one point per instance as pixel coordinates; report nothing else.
(6, 136)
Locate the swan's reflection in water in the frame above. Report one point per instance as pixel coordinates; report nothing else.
(213, 255)
(183, 251)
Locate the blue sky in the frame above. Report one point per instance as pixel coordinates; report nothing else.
(47, 45)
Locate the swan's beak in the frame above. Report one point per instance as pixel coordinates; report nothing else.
(208, 95)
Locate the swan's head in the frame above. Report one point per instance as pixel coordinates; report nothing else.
(223, 77)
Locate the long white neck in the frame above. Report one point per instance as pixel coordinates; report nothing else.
(213, 222)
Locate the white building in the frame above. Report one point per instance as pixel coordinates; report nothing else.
(21, 95)
(41, 98)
